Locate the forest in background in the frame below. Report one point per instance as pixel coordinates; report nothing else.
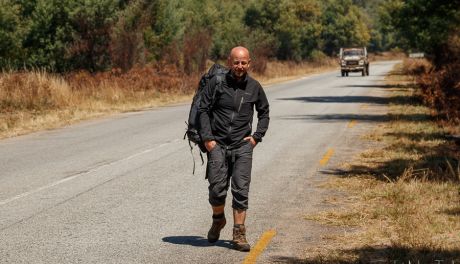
(98, 35)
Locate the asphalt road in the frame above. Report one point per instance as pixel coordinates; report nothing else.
(121, 189)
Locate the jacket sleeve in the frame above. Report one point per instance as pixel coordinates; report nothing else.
(263, 117)
(204, 110)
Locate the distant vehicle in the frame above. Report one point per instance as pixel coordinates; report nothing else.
(354, 60)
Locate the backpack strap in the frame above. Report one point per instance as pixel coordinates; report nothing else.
(217, 87)
(191, 152)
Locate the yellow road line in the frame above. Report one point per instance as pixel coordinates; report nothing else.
(326, 157)
(364, 106)
(259, 247)
(352, 123)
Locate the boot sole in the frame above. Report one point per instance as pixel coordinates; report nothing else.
(243, 248)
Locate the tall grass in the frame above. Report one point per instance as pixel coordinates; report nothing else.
(31, 101)
(35, 91)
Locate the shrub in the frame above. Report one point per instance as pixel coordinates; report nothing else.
(416, 67)
(317, 56)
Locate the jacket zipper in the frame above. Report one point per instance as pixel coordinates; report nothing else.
(233, 113)
(241, 103)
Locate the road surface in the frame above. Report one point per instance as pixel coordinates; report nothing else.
(121, 189)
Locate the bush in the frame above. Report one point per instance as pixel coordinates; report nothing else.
(441, 91)
(135, 82)
(416, 67)
(441, 86)
(317, 56)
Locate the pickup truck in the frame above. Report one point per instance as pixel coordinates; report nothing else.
(354, 60)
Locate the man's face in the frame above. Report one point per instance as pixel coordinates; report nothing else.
(239, 64)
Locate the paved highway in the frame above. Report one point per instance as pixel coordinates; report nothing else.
(121, 189)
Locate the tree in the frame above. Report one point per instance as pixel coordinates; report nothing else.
(127, 45)
(92, 21)
(48, 34)
(229, 29)
(425, 25)
(165, 30)
(344, 25)
(298, 29)
(200, 16)
(11, 35)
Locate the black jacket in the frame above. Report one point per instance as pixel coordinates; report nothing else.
(230, 119)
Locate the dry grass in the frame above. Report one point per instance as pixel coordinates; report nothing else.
(278, 71)
(404, 198)
(388, 55)
(35, 101)
(415, 67)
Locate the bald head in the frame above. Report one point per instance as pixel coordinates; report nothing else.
(239, 61)
(239, 52)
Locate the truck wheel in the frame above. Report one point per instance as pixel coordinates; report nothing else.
(346, 74)
(367, 70)
(343, 73)
(363, 72)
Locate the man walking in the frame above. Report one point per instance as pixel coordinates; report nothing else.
(226, 127)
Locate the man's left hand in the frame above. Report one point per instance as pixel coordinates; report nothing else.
(251, 139)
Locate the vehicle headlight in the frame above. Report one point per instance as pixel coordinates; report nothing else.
(344, 63)
(361, 62)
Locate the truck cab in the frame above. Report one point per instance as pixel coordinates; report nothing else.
(354, 60)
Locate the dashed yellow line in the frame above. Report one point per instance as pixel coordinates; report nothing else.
(352, 123)
(364, 106)
(326, 157)
(259, 247)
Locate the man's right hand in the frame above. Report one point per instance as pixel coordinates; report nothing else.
(210, 145)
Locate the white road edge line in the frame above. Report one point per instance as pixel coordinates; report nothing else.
(22, 195)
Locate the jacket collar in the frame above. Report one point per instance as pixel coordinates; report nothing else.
(235, 81)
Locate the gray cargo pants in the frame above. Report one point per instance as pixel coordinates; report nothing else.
(229, 165)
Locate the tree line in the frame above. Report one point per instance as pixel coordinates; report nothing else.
(97, 35)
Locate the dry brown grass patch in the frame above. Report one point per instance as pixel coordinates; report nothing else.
(32, 101)
(387, 55)
(278, 71)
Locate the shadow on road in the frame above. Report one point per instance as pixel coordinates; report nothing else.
(382, 255)
(332, 118)
(197, 241)
(380, 86)
(398, 100)
(453, 211)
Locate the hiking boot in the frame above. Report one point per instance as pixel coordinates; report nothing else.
(239, 238)
(217, 224)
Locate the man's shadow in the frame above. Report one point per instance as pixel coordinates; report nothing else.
(197, 241)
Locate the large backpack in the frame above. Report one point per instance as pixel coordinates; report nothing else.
(193, 124)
